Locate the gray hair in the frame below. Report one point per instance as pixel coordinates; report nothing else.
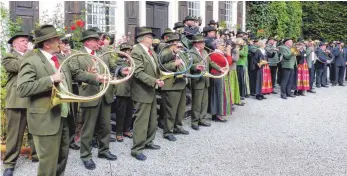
(140, 39)
(217, 43)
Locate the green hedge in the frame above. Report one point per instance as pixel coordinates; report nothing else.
(325, 20)
(308, 19)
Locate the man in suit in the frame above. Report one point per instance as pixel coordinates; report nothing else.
(199, 86)
(97, 113)
(16, 107)
(272, 53)
(174, 91)
(288, 63)
(190, 28)
(321, 65)
(48, 124)
(340, 63)
(144, 84)
(210, 33)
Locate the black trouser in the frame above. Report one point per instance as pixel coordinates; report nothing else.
(294, 79)
(241, 79)
(312, 74)
(321, 77)
(124, 114)
(332, 72)
(279, 76)
(273, 70)
(286, 82)
(252, 80)
(339, 73)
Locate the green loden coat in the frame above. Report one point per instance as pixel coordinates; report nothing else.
(289, 60)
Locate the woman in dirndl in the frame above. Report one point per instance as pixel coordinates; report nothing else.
(220, 98)
(303, 77)
(258, 65)
(267, 80)
(233, 77)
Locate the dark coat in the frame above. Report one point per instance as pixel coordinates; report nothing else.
(340, 56)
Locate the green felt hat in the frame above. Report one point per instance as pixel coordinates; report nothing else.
(172, 37)
(144, 31)
(178, 25)
(16, 35)
(90, 33)
(46, 32)
(125, 46)
(198, 38)
(166, 31)
(188, 18)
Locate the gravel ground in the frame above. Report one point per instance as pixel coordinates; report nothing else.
(300, 136)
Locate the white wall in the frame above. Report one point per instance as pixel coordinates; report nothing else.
(216, 10)
(234, 15)
(142, 10)
(173, 13)
(119, 19)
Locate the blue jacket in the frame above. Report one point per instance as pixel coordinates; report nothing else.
(340, 56)
(322, 58)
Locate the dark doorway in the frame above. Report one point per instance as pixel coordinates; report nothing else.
(131, 17)
(157, 14)
(28, 11)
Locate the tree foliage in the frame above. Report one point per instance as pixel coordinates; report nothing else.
(325, 20)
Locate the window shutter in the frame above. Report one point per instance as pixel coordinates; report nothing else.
(182, 10)
(209, 12)
(222, 11)
(73, 9)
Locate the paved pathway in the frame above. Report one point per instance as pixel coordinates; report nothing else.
(300, 136)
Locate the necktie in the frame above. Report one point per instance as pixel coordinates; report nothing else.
(55, 60)
(150, 52)
(200, 51)
(92, 53)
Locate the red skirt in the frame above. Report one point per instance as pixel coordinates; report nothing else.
(267, 84)
(303, 77)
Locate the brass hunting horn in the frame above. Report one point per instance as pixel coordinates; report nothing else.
(183, 53)
(131, 63)
(61, 94)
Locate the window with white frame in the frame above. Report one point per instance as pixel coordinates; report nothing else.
(194, 8)
(228, 14)
(101, 14)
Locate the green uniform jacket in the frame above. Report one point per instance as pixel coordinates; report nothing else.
(243, 54)
(168, 61)
(68, 77)
(202, 82)
(288, 60)
(145, 75)
(79, 72)
(11, 62)
(270, 51)
(34, 82)
(122, 89)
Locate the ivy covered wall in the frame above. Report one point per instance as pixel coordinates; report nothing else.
(309, 19)
(325, 20)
